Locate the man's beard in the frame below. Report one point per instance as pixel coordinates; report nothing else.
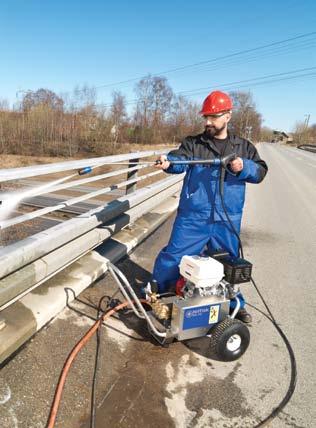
(211, 131)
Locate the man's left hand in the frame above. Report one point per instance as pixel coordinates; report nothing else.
(236, 165)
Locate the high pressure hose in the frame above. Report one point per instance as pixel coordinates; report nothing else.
(293, 380)
(270, 317)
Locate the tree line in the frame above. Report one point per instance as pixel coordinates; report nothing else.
(304, 134)
(44, 123)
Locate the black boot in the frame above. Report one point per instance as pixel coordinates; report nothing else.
(244, 316)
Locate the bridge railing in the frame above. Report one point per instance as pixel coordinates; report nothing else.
(26, 264)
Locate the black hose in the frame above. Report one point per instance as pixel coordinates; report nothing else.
(270, 317)
(94, 381)
(293, 380)
(233, 229)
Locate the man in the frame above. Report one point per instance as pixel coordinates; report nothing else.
(201, 220)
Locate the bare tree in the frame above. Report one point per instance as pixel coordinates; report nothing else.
(63, 125)
(303, 134)
(154, 96)
(246, 120)
(118, 115)
(162, 95)
(42, 97)
(82, 97)
(184, 118)
(144, 101)
(4, 105)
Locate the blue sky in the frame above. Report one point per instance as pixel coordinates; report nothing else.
(61, 44)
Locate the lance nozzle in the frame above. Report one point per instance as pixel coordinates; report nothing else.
(85, 170)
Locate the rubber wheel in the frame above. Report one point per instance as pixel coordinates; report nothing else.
(229, 339)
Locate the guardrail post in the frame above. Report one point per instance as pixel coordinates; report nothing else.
(130, 188)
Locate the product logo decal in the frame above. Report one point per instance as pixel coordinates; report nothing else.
(200, 316)
(196, 312)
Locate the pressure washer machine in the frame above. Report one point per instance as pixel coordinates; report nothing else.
(199, 306)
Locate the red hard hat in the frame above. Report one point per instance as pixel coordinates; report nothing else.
(216, 102)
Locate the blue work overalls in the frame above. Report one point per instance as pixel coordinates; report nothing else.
(201, 220)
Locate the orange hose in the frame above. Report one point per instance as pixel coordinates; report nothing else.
(72, 356)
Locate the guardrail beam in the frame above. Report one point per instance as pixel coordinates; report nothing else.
(33, 171)
(33, 274)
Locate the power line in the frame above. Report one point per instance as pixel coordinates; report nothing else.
(229, 87)
(268, 76)
(275, 48)
(289, 49)
(278, 77)
(311, 75)
(213, 60)
(278, 51)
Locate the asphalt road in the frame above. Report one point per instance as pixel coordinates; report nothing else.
(141, 384)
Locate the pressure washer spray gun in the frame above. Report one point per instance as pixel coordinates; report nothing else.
(224, 162)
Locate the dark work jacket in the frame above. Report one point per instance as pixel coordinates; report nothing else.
(200, 196)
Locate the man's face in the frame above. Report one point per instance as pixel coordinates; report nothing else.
(215, 124)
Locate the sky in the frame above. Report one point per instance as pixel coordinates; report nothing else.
(58, 45)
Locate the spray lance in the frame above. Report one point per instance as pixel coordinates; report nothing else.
(10, 200)
(215, 162)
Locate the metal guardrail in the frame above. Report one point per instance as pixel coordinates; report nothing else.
(308, 147)
(33, 171)
(27, 263)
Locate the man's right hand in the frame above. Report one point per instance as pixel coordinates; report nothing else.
(163, 162)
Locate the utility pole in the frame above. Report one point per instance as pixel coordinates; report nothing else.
(305, 132)
(307, 120)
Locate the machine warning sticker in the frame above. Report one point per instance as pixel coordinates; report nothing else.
(200, 316)
(214, 313)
